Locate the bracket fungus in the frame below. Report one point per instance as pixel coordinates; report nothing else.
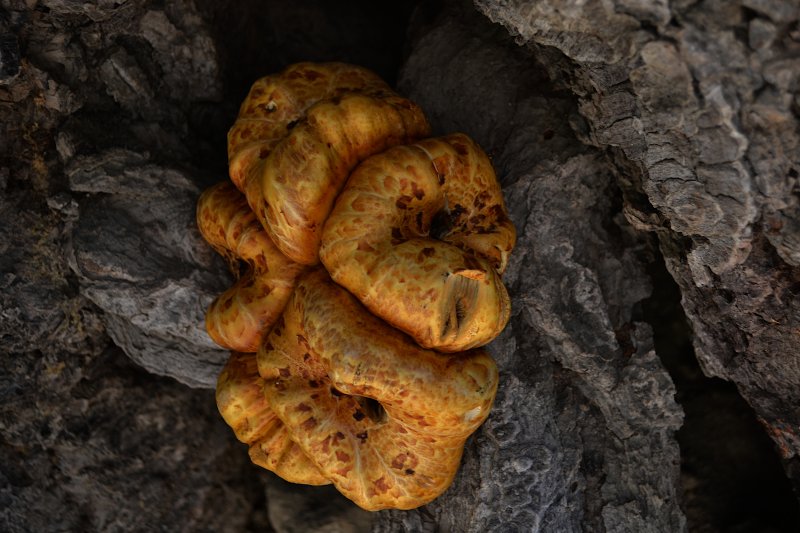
(384, 419)
(241, 401)
(446, 293)
(326, 162)
(237, 318)
(338, 116)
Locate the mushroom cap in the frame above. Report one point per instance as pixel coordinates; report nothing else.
(298, 136)
(238, 318)
(241, 402)
(277, 101)
(382, 418)
(443, 290)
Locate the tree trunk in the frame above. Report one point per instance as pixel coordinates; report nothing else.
(649, 155)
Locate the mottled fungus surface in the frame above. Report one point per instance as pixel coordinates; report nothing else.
(346, 387)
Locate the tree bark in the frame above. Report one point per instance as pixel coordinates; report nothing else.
(624, 134)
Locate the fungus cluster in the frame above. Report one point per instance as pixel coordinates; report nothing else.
(371, 262)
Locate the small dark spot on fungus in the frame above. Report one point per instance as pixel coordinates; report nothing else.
(343, 471)
(290, 126)
(303, 408)
(284, 372)
(481, 199)
(342, 456)
(477, 219)
(425, 253)
(310, 423)
(303, 342)
(380, 485)
(362, 436)
(403, 201)
(313, 383)
(398, 461)
(418, 193)
(410, 471)
(397, 236)
(359, 416)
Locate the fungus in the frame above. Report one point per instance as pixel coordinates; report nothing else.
(446, 293)
(340, 114)
(336, 394)
(382, 418)
(241, 402)
(238, 317)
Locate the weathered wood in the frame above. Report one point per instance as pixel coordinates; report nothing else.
(613, 125)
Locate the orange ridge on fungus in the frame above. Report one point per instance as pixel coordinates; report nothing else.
(313, 123)
(383, 419)
(239, 316)
(444, 290)
(241, 402)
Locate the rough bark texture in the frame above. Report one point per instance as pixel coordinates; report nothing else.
(95, 238)
(140, 258)
(700, 98)
(607, 120)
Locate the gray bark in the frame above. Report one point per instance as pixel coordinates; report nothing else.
(700, 101)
